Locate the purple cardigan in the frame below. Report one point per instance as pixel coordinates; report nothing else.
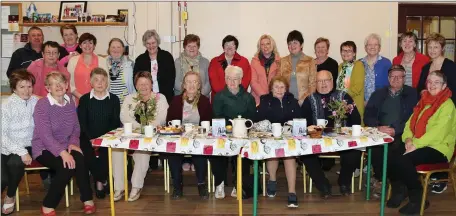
(55, 127)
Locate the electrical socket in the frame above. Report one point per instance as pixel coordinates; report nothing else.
(169, 39)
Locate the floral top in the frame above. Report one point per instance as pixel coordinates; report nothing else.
(154, 72)
(369, 80)
(343, 80)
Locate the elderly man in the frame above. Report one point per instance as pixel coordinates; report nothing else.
(24, 56)
(375, 66)
(313, 108)
(229, 103)
(388, 109)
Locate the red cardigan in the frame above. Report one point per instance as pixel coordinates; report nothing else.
(217, 74)
(176, 107)
(418, 63)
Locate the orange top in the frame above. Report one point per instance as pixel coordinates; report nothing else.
(82, 74)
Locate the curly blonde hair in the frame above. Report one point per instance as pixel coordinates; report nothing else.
(273, 44)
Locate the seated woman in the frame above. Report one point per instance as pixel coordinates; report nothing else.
(98, 113)
(429, 137)
(17, 131)
(144, 97)
(280, 106)
(55, 144)
(232, 101)
(315, 107)
(189, 107)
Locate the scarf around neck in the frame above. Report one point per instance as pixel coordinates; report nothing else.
(189, 64)
(115, 67)
(419, 121)
(266, 62)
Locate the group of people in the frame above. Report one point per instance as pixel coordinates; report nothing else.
(48, 81)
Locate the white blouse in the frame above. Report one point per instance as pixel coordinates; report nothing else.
(17, 124)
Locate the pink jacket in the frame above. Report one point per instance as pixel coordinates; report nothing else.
(36, 68)
(259, 82)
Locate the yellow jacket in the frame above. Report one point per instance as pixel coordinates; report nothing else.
(356, 86)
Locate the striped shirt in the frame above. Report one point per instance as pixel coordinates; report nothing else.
(118, 87)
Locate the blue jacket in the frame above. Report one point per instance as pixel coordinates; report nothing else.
(381, 71)
(409, 99)
(272, 109)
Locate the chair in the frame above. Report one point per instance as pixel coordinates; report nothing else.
(426, 170)
(210, 177)
(334, 155)
(37, 166)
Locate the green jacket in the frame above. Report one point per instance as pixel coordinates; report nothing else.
(229, 106)
(440, 130)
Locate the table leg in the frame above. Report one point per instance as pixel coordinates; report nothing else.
(384, 183)
(111, 185)
(126, 174)
(239, 183)
(368, 174)
(255, 187)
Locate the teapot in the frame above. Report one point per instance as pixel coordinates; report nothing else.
(239, 128)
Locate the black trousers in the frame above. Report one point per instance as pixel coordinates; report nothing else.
(348, 164)
(397, 147)
(12, 172)
(98, 166)
(62, 177)
(403, 166)
(219, 167)
(175, 166)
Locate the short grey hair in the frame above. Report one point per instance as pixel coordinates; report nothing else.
(237, 71)
(373, 36)
(149, 34)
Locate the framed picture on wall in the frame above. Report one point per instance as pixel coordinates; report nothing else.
(123, 15)
(71, 10)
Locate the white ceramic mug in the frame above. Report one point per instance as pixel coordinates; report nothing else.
(356, 130)
(128, 128)
(206, 125)
(276, 129)
(175, 123)
(322, 122)
(149, 130)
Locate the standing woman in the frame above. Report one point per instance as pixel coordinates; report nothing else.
(55, 144)
(324, 62)
(412, 60)
(351, 75)
(98, 113)
(299, 69)
(70, 43)
(81, 66)
(435, 44)
(17, 131)
(159, 63)
(190, 107)
(265, 65)
(192, 60)
(120, 70)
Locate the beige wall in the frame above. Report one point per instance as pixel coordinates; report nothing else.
(248, 20)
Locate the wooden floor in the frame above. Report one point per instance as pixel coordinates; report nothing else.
(154, 201)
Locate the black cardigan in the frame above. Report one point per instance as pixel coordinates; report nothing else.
(166, 71)
(275, 111)
(448, 68)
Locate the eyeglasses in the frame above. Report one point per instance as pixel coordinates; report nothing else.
(347, 51)
(294, 42)
(436, 83)
(51, 53)
(396, 77)
(191, 82)
(324, 81)
(232, 79)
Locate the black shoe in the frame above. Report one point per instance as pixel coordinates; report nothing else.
(439, 188)
(292, 201)
(100, 194)
(177, 193)
(271, 189)
(325, 193)
(202, 190)
(345, 190)
(106, 188)
(413, 207)
(398, 195)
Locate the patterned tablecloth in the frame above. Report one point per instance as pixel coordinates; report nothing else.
(287, 146)
(181, 144)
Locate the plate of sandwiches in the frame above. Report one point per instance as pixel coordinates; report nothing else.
(170, 130)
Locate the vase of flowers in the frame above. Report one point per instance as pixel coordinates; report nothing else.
(339, 111)
(146, 110)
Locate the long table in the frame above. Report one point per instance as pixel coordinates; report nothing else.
(254, 148)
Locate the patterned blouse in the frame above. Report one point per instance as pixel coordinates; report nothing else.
(343, 80)
(369, 80)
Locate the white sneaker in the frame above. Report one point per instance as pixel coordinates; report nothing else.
(234, 193)
(118, 194)
(220, 191)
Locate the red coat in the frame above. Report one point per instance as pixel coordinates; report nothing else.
(418, 63)
(177, 106)
(217, 74)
